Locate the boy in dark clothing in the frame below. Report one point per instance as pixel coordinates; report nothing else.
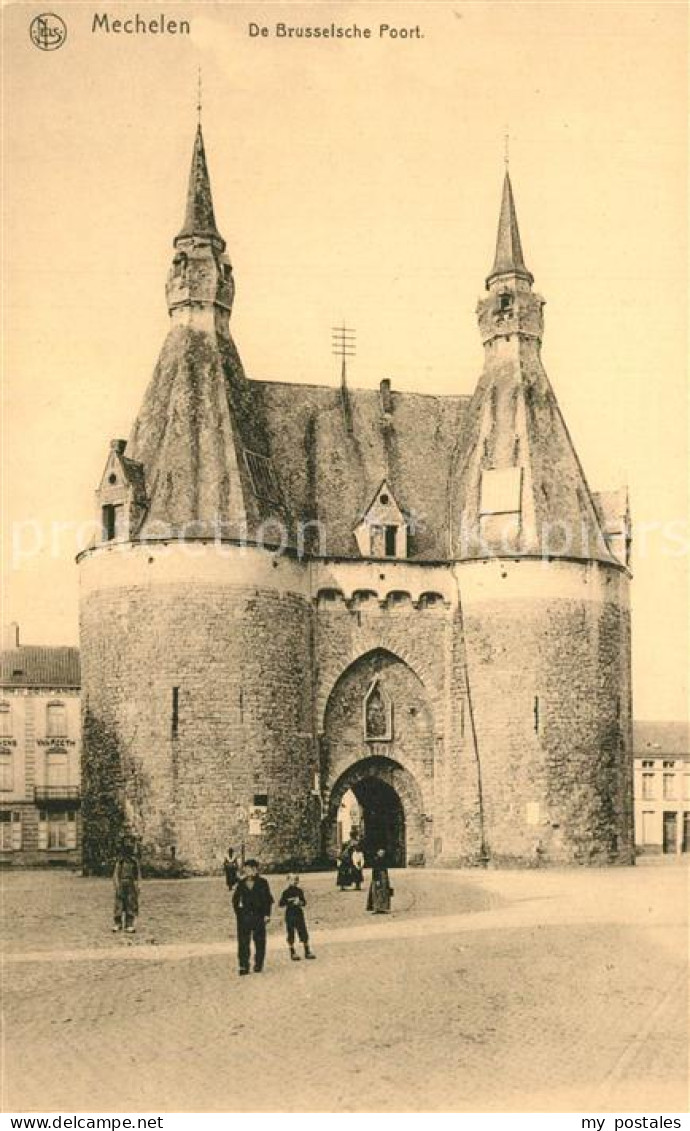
(126, 881)
(293, 901)
(252, 901)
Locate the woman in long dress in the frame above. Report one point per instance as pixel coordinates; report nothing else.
(380, 890)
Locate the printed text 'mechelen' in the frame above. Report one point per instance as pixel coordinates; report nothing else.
(138, 25)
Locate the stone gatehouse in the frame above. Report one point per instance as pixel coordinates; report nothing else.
(307, 592)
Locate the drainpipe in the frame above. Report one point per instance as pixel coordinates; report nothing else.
(484, 855)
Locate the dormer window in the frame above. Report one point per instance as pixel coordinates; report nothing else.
(111, 521)
(121, 495)
(383, 529)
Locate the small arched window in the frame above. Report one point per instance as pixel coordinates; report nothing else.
(56, 720)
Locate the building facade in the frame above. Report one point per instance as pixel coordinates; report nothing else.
(40, 754)
(302, 592)
(662, 787)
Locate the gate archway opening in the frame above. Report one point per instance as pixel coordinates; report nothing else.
(383, 821)
(388, 811)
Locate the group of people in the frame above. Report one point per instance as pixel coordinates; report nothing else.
(252, 902)
(351, 873)
(252, 899)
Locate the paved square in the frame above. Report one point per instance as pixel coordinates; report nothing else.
(518, 991)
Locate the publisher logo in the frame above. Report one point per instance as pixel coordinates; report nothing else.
(48, 32)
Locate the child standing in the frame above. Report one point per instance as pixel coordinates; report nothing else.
(293, 901)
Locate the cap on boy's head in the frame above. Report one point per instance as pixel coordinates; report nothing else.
(251, 863)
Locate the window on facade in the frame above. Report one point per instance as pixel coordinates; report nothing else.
(6, 771)
(5, 720)
(261, 800)
(57, 769)
(10, 831)
(390, 540)
(56, 720)
(57, 830)
(669, 785)
(649, 828)
(648, 786)
(669, 765)
(647, 765)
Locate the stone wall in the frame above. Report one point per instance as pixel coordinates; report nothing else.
(272, 667)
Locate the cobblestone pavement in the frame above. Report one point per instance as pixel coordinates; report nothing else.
(518, 991)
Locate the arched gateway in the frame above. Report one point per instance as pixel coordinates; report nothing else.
(378, 742)
(391, 806)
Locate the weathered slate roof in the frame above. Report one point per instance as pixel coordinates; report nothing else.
(329, 472)
(199, 217)
(34, 666)
(508, 258)
(657, 739)
(226, 456)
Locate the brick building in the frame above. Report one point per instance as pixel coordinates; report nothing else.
(40, 753)
(304, 592)
(661, 753)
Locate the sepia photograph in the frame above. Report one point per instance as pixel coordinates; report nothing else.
(344, 741)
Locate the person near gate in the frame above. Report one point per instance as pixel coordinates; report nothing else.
(294, 902)
(126, 878)
(380, 890)
(231, 868)
(252, 902)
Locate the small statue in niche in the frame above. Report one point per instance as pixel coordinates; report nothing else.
(376, 714)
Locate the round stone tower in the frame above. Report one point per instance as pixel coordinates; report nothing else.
(543, 583)
(194, 610)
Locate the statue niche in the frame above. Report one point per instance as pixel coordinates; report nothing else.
(378, 714)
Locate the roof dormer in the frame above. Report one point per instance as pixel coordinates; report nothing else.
(121, 495)
(382, 531)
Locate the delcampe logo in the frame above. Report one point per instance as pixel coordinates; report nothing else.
(48, 31)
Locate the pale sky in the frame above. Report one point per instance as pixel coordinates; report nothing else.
(357, 180)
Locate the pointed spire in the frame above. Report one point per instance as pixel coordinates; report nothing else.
(199, 217)
(509, 259)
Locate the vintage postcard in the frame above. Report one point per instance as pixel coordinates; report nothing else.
(344, 756)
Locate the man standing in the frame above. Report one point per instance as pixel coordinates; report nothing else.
(126, 878)
(252, 901)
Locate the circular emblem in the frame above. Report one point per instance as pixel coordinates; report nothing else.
(48, 31)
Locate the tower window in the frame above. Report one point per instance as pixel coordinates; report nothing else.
(506, 302)
(175, 719)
